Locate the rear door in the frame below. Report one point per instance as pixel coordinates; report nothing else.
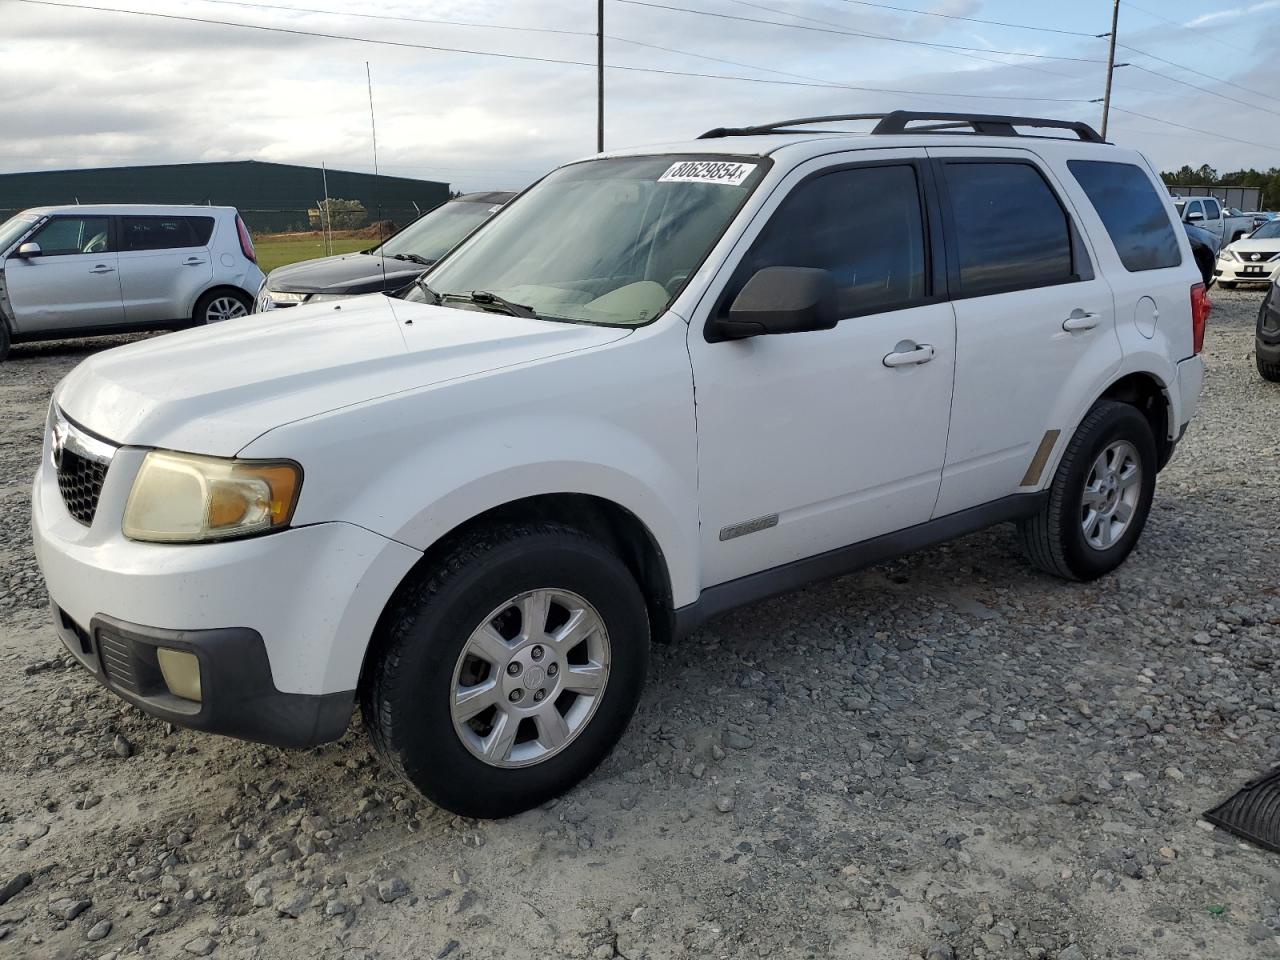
(1035, 327)
(1215, 219)
(73, 283)
(165, 264)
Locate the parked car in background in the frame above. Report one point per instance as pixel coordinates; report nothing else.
(1204, 247)
(1208, 212)
(386, 268)
(1267, 338)
(1251, 259)
(1262, 216)
(79, 271)
(662, 383)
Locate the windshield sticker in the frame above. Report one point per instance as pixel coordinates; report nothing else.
(708, 171)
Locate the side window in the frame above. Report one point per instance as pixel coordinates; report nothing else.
(1136, 219)
(156, 233)
(1011, 232)
(865, 225)
(201, 229)
(1211, 210)
(63, 236)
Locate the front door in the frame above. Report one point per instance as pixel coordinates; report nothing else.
(1035, 328)
(73, 283)
(812, 441)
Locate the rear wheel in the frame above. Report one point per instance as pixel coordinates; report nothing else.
(218, 305)
(1100, 496)
(4, 339)
(1268, 369)
(507, 673)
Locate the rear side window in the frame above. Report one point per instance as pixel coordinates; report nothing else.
(202, 228)
(1136, 219)
(865, 225)
(1011, 232)
(1211, 210)
(160, 233)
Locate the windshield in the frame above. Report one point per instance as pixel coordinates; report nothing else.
(434, 234)
(605, 241)
(1268, 231)
(15, 227)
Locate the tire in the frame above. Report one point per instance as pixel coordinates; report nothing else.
(218, 305)
(1227, 284)
(1268, 370)
(1055, 539)
(425, 651)
(5, 340)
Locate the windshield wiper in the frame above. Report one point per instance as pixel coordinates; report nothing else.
(484, 298)
(413, 258)
(435, 298)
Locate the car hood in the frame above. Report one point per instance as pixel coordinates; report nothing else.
(1246, 245)
(349, 273)
(215, 389)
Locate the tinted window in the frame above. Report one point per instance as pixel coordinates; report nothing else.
(1211, 211)
(1010, 230)
(1133, 213)
(864, 225)
(158, 233)
(62, 236)
(202, 227)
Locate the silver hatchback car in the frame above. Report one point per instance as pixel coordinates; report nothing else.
(80, 271)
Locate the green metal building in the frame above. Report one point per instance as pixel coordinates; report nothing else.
(272, 197)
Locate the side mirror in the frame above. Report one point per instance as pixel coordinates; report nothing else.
(781, 300)
(28, 250)
(1193, 217)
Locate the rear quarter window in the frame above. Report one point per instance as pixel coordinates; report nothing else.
(1135, 217)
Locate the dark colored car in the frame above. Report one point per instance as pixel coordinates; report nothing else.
(386, 268)
(1267, 341)
(1204, 246)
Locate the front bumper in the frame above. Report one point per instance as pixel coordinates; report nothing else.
(1236, 271)
(279, 623)
(239, 698)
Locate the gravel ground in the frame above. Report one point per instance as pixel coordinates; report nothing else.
(943, 757)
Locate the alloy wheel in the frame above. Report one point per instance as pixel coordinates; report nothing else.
(1111, 494)
(225, 308)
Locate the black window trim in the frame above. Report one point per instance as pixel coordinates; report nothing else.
(935, 258)
(1082, 268)
(112, 246)
(1174, 225)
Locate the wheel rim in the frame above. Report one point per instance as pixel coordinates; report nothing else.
(1111, 494)
(224, 308)
(529, 678)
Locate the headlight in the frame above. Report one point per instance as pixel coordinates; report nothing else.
(183, 498)
(321, 297)
(1230, 254)
(281, 297)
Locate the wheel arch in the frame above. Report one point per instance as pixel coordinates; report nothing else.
(1151, 396)
(218, 288)
(607, 521)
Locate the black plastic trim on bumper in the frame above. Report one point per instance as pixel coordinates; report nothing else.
(240, 698)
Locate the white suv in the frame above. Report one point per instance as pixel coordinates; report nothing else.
(80, 271)
(660, 384)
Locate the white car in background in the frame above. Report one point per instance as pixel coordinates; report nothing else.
(1251, 259)
(80, 271)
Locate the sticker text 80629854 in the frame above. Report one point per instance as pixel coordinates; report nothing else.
(728, 173)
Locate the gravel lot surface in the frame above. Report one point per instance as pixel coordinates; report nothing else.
(944, 757)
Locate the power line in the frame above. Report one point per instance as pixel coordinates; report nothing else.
(837, 29)
(1203, 35)
(1212, 93)
(435, 21)
(1207, 133)
(404, 44)
(1183, 66)
(952, 16)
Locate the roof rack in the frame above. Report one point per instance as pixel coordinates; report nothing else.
(899, 122)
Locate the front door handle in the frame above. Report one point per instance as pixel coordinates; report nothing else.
(103, 268)
(908, 353)
(1081, 320)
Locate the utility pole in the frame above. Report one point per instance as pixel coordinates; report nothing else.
(600, 75)
(1111, 67)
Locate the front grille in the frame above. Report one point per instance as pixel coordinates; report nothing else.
(80, 480)
(118, 661)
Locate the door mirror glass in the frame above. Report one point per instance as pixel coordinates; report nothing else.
(29, 249)
(782, 300)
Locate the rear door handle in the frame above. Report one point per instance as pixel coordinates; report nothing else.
(192, 262)
(1081, 320)
(103, 268)
(908, 353)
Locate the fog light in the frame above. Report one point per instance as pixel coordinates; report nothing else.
(181, 672)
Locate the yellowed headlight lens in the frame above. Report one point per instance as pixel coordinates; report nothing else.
(183, 498)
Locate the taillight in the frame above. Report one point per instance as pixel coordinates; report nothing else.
(1201, 307)
(246, 241)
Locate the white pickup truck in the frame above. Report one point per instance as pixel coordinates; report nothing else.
(1227, 223)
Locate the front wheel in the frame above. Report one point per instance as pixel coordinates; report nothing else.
(1227, 284)
(218, 305)
(506, 674)
(4, 339)
(1100, 496)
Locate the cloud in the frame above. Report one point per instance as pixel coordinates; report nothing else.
(1234, 13)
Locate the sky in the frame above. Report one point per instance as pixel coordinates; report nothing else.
(84, 87)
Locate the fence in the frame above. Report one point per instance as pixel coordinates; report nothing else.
(1242, 198)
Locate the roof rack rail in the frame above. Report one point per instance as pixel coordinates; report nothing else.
(899, 122)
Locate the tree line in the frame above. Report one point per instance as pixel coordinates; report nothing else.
(1206, 176)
